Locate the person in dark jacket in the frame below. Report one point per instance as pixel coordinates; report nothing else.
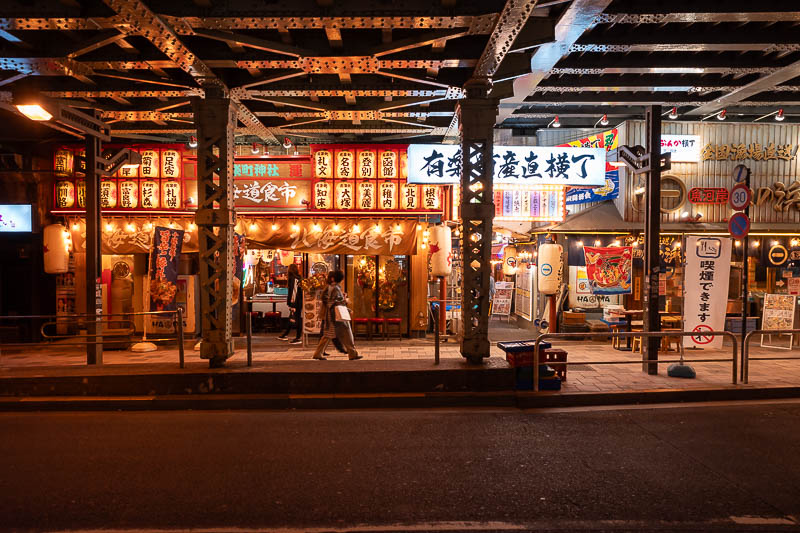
(294, 299)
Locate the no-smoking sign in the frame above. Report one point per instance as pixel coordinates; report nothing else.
(740, 197)
(703, 337)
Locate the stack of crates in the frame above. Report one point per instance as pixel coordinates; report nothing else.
(519, 355)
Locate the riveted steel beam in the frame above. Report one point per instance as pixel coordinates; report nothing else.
(577, 18)
(763, 84)
(725, 71)
(509, 25)
(767, 48)
(691, 18)
(124, 94)
(253, 42)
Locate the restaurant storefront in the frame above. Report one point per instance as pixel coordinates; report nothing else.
(341, 207)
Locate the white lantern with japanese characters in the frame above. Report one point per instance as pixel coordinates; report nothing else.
(550, 256)
(345, 164)
(149, 192)
(388, 198)
(366, 195)
(323, 164)
(510, 260)
(81, 193)
(344, 195)
(108, 194)
(56, 249)
(171, 194)
(387, 165)
(409, 197)
(63, 163)
(440, 243)
(170, 164)
(322, 195)
(366, 164)
(65, 194)
(430, 197)
(149, 167)
(79, 164)
(128, 195)
(128, 171)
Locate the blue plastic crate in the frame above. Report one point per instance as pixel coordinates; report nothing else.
(524, 380)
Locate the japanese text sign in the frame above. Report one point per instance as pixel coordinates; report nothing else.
(167, 244)
(684, 148)
(513, 165)
(708, 267)
(271, 193)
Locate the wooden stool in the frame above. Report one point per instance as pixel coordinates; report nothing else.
(362, 322)
(636, 344)
(666, 340)
(553, 356)
(615, 341)
(393, 322)
(377, 326)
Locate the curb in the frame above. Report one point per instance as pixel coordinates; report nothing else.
(508, 399)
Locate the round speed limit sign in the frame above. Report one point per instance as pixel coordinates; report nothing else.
(740, 197)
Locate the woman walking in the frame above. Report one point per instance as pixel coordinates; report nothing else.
(294, 299)
(333, 297)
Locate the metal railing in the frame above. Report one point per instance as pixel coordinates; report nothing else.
(626, 334)
(746, 349)
(100, 322)
(435, 318)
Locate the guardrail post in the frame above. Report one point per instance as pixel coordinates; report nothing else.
(436, 336)
(179, 330)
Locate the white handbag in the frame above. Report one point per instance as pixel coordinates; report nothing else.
(342, 313)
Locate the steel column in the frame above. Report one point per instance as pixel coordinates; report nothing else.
(215, 117)
(652, 319)
(94, 346)
(476, 116)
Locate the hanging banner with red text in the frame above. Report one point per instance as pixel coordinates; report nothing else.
(167, 244)
(608, 269)
(708, 267)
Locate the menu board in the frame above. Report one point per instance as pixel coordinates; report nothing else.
(523, 305)
(501, 304)
(778, 314)
(312, 312)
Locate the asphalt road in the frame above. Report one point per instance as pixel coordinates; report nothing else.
(694, 468)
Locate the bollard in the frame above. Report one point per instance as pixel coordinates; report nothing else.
(249, 338)
(179, 328)
(436, 337)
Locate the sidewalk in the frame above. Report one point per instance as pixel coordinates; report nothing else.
(582, 378)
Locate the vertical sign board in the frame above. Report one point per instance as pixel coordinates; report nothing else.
(708, 268)
(501, 305)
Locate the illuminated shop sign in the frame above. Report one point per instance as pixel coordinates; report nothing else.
(544, 203)
(684, 148)
(754, 151)
(513, 165)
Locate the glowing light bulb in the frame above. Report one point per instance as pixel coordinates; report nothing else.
(616, 243)
(336, 227)
(148, 226)
(253, 226)
(274, 226)
(580, 244)
(757, 244)
(356, 228)
(316, 227)
(295, 227)
(377, 228)
(363, 262)
(774, 243)
(75, 227)
(130, 228)
(597, 243)
(109, 227)
(398, 227)
(171, 225)
(738, 243)
(423, 245)
(192, 226)
(419, 227)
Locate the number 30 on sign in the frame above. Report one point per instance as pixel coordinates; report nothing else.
(740, 197)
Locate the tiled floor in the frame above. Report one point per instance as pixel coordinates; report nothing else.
(589, 376)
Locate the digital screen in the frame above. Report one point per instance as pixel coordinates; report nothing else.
(15, 218)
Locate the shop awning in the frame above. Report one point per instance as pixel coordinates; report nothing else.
(602, 217)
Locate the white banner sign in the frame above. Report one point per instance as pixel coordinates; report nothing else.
(708, 267)
(580, 291)
(684, 148)
(513, 165)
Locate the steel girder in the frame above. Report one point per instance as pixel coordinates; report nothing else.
(215, 217)
(476, 115)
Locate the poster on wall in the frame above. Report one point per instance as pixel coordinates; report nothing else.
(523, 304)
(580, 291)
(708, 268)
(501, 304)
(608, 269)
(167, 244)
(312, 312)
(609, 191)
(778, 314)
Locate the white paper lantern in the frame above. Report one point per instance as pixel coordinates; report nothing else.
(56, 249)
(440, 243)
(510, 260)
(287, 258)
(550, 256)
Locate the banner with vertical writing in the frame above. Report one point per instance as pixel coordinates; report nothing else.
(708, 268)
(167, 244)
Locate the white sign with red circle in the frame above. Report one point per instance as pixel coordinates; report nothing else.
(740, 197)
(702, 334)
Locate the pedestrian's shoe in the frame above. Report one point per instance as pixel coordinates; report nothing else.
(283, 338)
(320, 358)
(356, 356)
(295, 341)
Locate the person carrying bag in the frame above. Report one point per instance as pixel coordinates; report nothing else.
(336, 321)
